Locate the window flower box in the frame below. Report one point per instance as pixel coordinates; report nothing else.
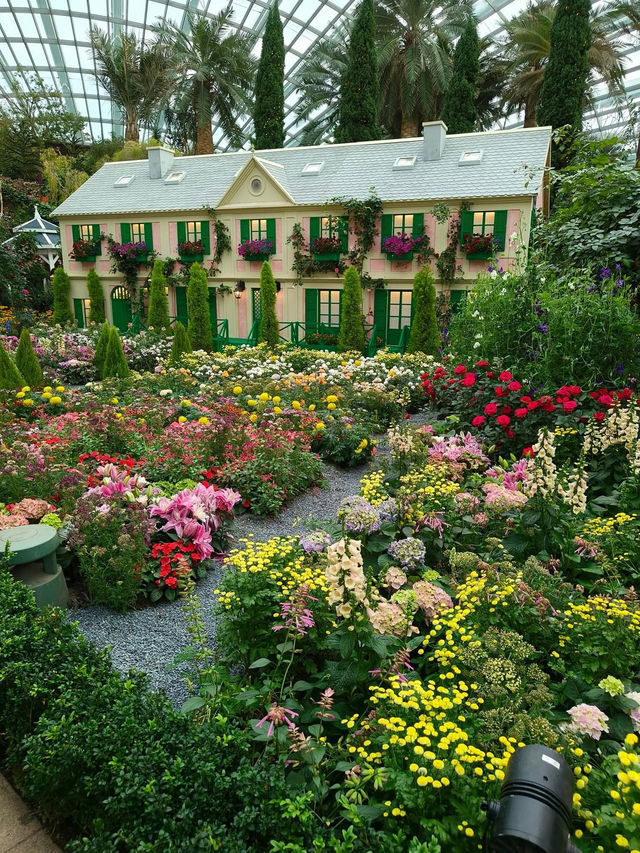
(326, 248)
(191, 251)
(84, 250)
(479, 247)
(255, 250)
(400, 247)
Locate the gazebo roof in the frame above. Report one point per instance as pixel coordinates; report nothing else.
(45, 233)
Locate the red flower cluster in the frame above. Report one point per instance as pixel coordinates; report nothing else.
(176, 562)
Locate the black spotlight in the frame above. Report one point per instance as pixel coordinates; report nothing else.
(534, 812)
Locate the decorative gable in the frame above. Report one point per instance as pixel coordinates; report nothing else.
(259, 184)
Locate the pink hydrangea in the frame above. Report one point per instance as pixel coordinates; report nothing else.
(588, 720)
(431, 599)
(395, 577)
(500, 499)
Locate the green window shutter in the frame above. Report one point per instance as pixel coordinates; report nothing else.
(205, 236)
(245, 230)
(343, 233)
(78, 311)
(181, 306)
(500, 228)
(125, 232)
(466, 224)
(213, 311)
(311, 297)
(271, 233)
(182, 233)
(418, 224)
(75, 233)
(386, 229)
(380, 301)
(314, 230)
(148, 235)
(97, 238)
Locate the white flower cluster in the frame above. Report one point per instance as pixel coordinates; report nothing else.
(347, 581)
(542, 474)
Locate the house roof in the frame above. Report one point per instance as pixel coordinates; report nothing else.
(352, 169)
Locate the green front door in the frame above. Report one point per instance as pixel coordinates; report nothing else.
(398, 314)
(181, 306)
(213, 312)
(121, 308)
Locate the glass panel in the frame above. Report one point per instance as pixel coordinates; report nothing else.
(324, 306)
(398, 224)
(86, 308)
(137, 232)
(489, 221)
(335, 310)
(86, 232)
(405, 314)
(408, 223)
(194, 231)
(325, 226)
(478, 220)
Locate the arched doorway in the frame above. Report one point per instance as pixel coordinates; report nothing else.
(121, 308)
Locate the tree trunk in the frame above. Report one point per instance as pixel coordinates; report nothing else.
(204, 140)
(530, 112)
(408, 128)
(131, 130)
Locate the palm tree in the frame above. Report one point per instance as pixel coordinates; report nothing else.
(527, 51)
(414, 56)
(136, 76)
(214, 70)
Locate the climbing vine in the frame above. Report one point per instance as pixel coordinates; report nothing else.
(446, 260)
(364, 215)
(304, 264)
(223, 243)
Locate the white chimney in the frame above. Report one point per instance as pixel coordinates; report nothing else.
(434, 134)
(160, 161)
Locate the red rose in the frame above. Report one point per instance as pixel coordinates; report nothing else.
(625, 394)
(482, 364)
(605, 400)
(521, 413)
(490, 409)
(533, 405)
(510, 433)
(569, 405)
(599, 416)
(460, 368)
(490, 374)
(503, 420)
(514, 386)
(549, 407)
(468, 380)
(478, 420)
(500, 391)
(574, 390)
(505, 376)
(506, 410)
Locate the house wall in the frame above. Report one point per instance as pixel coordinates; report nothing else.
(290, 299)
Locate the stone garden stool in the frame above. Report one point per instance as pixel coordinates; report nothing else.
(33, 561)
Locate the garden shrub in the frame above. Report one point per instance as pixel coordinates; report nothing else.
(351, 335)
(269, 329)
(424, 336)
(115, 364)
(10, 377)
(158, 305)
(27, 361)
(200, 333)
(180, 345)
(61, 287)
(96, 297)
(101, 348)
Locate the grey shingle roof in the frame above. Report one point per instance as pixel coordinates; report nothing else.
(349, 170)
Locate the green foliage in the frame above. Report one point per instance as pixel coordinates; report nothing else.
(364, 216)
(10, 377)
(565, 81)
(101, 349)
(424, 336)
(158, 303)
(27, 361)
(115, 364)
(96, 297)
(180, 345)
(20, 151)
(23, 275)
(61, 287)
(200, 333)
(269, 328)
(61, 175)
(459, 111)
(268, 113)
(351, 335)
(358, 106)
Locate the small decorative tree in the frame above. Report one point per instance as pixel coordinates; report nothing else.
(61, 287)
(269, 329)
(180, 345)
(101, 349)
(96, 297)
(115, 364)
(424, 336)
(351, 335)
(158, 304)
(198, 309)
(9, 374)
(27, 362)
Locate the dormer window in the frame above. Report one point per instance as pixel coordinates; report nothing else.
(313, 168)
(124, 181)
(174, 177)
(404, 163)
(469, 158)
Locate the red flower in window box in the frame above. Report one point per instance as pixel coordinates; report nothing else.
(83, 250)
(191, 247)
(472, 243)
(326, 245)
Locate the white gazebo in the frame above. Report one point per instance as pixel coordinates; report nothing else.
(46, 235)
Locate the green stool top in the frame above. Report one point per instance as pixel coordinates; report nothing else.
(29, 543)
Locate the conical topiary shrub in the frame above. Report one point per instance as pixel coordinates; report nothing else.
(158, 303)
(27, 361)
(180, 345)
(351, 335)
(424, 336)
(269, 329)
(198, 309)
(101, 349)
(10, 377)
(96, 297)
(61, 288)
(115, 364)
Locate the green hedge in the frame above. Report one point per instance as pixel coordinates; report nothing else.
(112, 765)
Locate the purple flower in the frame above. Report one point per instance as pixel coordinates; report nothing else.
(544, 328)
(605, 272)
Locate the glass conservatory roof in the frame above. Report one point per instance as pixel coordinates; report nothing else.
(50, 37)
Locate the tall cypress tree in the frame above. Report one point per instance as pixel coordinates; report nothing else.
(459, 111)
(269, 327)
(351, 336)
(158, 304)
(565, 78)
(268, 110)
(200, 333)
(359, 87)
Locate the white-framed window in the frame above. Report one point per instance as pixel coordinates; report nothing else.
(399, 308)
(329, 304)
(484, 221)
(258, 229)
(137, 232)
(402, 224)
(193, 231)
(86, 232)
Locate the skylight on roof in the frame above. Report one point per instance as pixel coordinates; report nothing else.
(469, 158)
(405, 162)
(174, 177)
(124, 181)
(313, 168)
